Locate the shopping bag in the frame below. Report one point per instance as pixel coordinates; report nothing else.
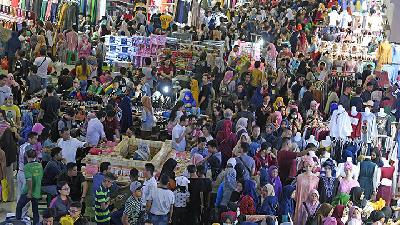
(4, 190)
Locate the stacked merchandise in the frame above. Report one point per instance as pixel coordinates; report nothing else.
(121, 165)
(133, 49)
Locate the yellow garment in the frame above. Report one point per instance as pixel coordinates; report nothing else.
(194, 88)
(79, 73)
(278, 103)
(165, 21)
(256, 78)
(378, 205)
(358, 6)
(62, 15)
(67, 220)
(126, 146)
(384, 54)
(4, 190)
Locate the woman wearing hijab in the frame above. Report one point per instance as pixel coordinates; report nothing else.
(376, 157)
(338, 214)
(15, 89)
(307, 182)
(168, 169)
(10, 148)
(249, 199)
(12, 46)
(268, 203)
(357, 197)
(147, 117)
(241, 126)
(287, 204)
(308, 207)
(84, 47)
(227, 86)
(271, 56)
(324, 211)
(328, 185)
(347, 183)
(226, 141)
(355, 216)
(275, 181)
(190, 103)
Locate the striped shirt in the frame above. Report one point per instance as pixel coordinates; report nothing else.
(102, 196)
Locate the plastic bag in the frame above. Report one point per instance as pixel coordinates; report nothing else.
(4, 190)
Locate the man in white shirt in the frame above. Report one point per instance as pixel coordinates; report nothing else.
(178, 134)
(43, 62)
(150, 184)
(160, 203)
(95, 130)
(69, 145)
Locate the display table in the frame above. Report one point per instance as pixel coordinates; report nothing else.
(120, 166)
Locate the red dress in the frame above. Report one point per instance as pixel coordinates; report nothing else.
(356, 125)
(385, 192)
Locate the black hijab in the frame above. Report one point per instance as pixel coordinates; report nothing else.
(169, 167)
(355, 197)
(9, 146)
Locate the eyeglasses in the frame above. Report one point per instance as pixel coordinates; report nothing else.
(66, 189)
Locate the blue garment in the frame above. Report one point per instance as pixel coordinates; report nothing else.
(126, 109)
(367, 169)
(264, 176)
(393, 71)
(250, 190)
(396, 54)
(269, 206)
(27, 123)
(190, 101)
(202, 152)
(220, 193)
(257, 99)
(287, 204)
(253, 148)
(13, 44)
(350, 151)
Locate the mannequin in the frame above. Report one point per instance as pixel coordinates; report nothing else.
(369, 128)
(382, 121)
(386, 188)
(340, 124)
(355, 118)
(341, 171)
(369, 176)
(306, 182)
(328, 185)
(299, 141)
(347, 183)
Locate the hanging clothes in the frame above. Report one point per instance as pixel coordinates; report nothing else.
(384, 54)
(182, 11)
(355, 124)
(368, 177)
(369, 128)
(340, 124)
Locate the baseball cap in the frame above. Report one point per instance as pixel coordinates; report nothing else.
(135, 185)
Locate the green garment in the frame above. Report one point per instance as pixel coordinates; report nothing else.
(341, 199)
(34, 171)
(95, 90)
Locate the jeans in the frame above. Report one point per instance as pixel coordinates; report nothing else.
(83, 84)
(23, 200)
(159, 219)
(20, 185)
(44, 82)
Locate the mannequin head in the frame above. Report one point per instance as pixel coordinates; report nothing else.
(353, 110)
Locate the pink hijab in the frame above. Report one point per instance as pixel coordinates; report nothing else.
(196, 158)
(272, 51)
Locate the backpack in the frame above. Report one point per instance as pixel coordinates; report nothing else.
(55, 133)
(311, 219)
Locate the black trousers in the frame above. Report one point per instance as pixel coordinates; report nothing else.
(179, 216)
